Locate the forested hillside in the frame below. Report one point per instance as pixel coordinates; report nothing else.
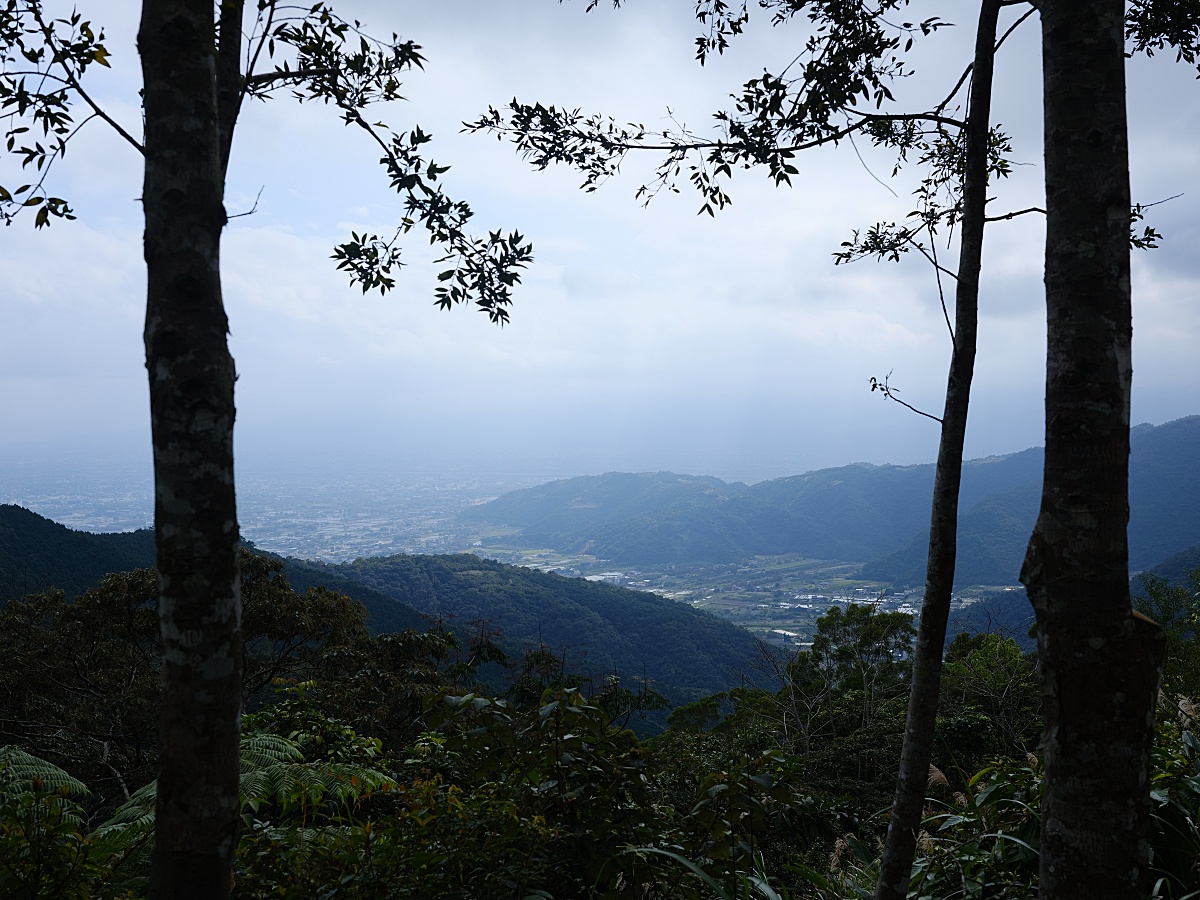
(565, 507)
(1164, 514)
(384, 614)
(876, 515)
(1176, 569)
(375, 761)
(603, 630)
(37, 554)
(992, 536)
(600, 629)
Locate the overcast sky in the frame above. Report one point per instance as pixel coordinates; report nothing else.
(642, 338)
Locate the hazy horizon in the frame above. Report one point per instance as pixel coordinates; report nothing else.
(107, 456)
(106, 491)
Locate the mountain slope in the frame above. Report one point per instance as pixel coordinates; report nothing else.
(604, 629)
(991, 543)
(1177, 568)
(1164, 515)
(37, 554)
(1164, 491)
(876, 515)
(851, 513)
(384, 614)
(575, 504)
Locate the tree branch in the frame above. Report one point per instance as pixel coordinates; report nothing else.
(1013, 215)
(937, 274)
(962, 79)
(967, 72)
(70, 79)
(890, 392)
(1029, 12)
(942, 270)
(267, 78)
(264, 38)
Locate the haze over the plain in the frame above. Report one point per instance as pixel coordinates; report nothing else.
(641, 339)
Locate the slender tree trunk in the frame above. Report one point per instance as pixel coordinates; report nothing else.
(1100, 662)
(191, 407)
(230, 87)
(917, 751)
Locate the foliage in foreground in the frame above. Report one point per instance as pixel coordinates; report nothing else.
(549, 802)
(377, 767)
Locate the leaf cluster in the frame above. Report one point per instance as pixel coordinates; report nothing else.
(42, 62)
(942, 156)
(44, 849)
(82, 682)
(1154, 25)
(315, 55)
(837, 714)
(990, 704)
(1177, 609)
(335, 62)
(849, 61)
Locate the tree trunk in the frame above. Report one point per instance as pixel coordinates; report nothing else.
(191, 406)
(230, 84)
(1100, 662)
(917, 751)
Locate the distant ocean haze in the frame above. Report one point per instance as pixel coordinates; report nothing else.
(333, 518)
(876, 516)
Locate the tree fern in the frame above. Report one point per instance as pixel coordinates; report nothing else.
(43, 851)
(297, 789)
(21, 773)
(274, 777)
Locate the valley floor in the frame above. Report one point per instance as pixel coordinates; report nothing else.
(778, 598)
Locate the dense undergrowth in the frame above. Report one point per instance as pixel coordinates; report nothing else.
(378, 767)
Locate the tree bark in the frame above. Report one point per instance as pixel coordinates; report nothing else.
(1100, 663)
(191, 405)
(230, 84)
(917, 752)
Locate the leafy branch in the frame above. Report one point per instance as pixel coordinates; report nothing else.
(42, 62)
(308, 51)
(336, 62)
(890, 393)
(822, 96)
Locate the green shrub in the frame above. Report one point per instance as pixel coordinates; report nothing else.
(44, 850)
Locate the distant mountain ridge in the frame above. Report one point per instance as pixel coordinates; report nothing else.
(610, 498)
(875, 515)
(992, 536)
(1175, 570)
(851, 513)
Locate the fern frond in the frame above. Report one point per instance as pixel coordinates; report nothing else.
(131, 825)
(295, 787)
(117, 839)
(22, 772)
(260, 750)
(137, 808)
